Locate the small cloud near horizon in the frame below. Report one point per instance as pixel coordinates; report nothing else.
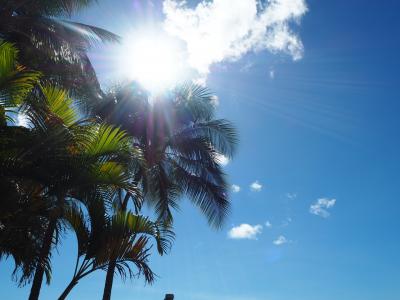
(256, 186)
(245, 231)
(235, 188)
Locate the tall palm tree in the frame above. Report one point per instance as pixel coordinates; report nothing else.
(122, 235)
(23, 211)
(181, 143)
(49, 42)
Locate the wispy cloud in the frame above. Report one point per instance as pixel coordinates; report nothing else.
(291, 196)
(321, 206)
(245, 231)
(220, 30)
(286, 222)
(280, 240)
(222, 159)
(272, 74)
(268, 224)
(235, 188)
(246, 68)
(256, 186)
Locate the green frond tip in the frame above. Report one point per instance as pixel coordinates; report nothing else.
(112, 173)
(138, 224)
(106, 139)
(60, 104)
(8, 58)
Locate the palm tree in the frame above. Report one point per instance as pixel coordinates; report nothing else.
(67, 159)
(181, 142)
(23, 211)
(53, 45)
(122, 235)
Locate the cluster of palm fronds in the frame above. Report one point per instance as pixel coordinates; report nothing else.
(86, 160)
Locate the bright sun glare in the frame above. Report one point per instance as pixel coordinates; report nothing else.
(155, 61)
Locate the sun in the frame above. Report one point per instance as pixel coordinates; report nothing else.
(156, 61)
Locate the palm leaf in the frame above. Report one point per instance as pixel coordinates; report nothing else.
(207, 190)
(15, 81)
(47, 7)
(196, 100)
(105, 140)
(59, 104)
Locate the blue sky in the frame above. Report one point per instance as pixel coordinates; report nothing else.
(325, 126)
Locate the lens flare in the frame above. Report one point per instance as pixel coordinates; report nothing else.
(156, 61)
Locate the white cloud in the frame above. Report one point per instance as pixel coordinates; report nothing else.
(222, 159)
(320, 208)
(268, 224)
(256, 186)
(280, 240)
(235, 188)
(245, 231)
(220, 30)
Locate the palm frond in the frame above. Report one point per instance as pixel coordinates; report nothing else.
(195, 100)
(161, 232)
(22, 220)
(15, 81)
(92, 34)
(220, 134)
(60, 104)
(106, 140)
(161, 192)
(58, 48)
(77, 221)
(46, 7)
(206, 190)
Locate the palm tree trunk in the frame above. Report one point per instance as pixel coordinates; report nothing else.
(75, 280)
(109, 280)
(124, 203)
(44, 253)
(68, 289)
(113, 262)
(3, 121)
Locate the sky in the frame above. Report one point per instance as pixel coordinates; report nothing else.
(312, 87)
